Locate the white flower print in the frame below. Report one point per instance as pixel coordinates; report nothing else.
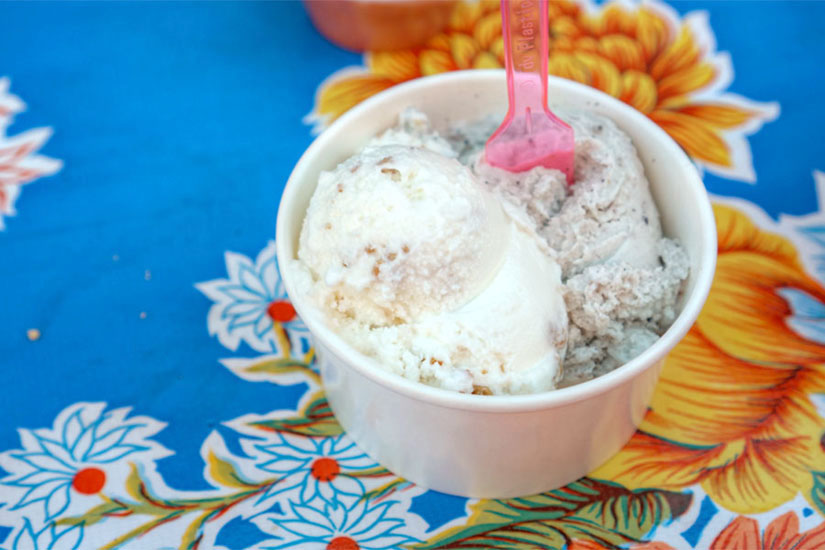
(362, 526)
(322, 468)
(75, 457)
(247, 303)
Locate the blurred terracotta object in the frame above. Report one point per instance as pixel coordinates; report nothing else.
(362, 25)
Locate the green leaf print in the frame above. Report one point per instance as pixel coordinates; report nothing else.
(818, 491)
(591, 510)
(284, 365)
(315, 419)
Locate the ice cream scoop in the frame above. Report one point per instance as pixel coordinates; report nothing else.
(530, 134)
(397, 232)
(416, 263)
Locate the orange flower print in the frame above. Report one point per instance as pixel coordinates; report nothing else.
(780, 534)
(732, 410)
(644, 54)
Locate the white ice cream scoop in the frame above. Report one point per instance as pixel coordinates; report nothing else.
(398, 232)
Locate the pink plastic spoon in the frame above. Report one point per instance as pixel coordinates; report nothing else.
(530, 135)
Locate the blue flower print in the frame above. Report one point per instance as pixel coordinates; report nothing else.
(48, 538)
(322, 468)
(247, 303)
(75, 457)
(362, 526)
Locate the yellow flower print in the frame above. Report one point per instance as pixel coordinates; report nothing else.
(732, 409)
(645, 55)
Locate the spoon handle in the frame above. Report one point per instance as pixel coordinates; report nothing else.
(524, 26)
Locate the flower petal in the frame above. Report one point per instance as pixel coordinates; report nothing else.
(252, 282)
(263, 324)
(357, 462)
(434, 62)
(440, 42)
(682, 53)
(327, 446)
(487, 30)
(234, 262)
(564, 27)
(57, 502)
(652, 32)
(567, 65)
(240, 310)
(465, 15)
(398, 65)
(486, 60)
(639, 90)
(617, 20)
(813, 539)
(41, 492)
(26, 537)
(586, 44)
(745, 299)
(719, 114)
(110, 439)
(83, 443)
(346, 485)
(782, 533)
(591, 23)
(603, 73)
(43, 461)
(648, 461)
(58, 451)
(686, 81)
(311, 515)
(68, 539)
(623, 51)
(497, 49)
(38, 477)
(238, 293)
(708, 397)
(326, 491)
(337, 97)
(698, 138)
(373, 523)
(463, 49)
(300, 527)
(760, 475)
(563, 8)
(340, 446)
(114, 453)
(337, 513)
(740, 534)
(309, 488)
(72, 429)
(490, 6)
(284, 465)
(302, 446)
(267, 264)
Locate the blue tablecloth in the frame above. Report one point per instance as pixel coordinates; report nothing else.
(156, 390)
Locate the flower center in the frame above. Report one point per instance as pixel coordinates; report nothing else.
(325, 469)
(89, 481)
(281, 311)
(342, 543)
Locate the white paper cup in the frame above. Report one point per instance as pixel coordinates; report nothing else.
(496, 446)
